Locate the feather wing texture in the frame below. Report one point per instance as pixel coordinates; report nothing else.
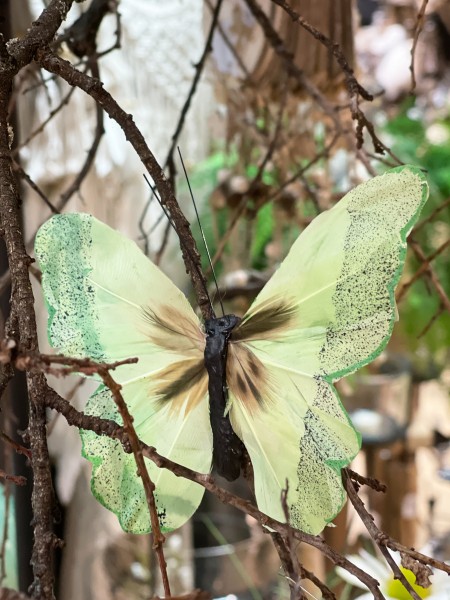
(106, 300)
(326, 312)
(184, 437)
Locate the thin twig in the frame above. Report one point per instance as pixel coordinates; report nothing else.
(90, 156)
(352, 84)
(371, 482)
(421, 270)
(375, 533)
(327, 594)
(149, 486)
(17, 479)
(431, 322)
(241, 208)
(15, 446)
(94, 88)
(293, 561)
(40, 128)
(419, 26)
(24, 175)
(432, 215)
(291, 68)
(115, 431)
(431, 274)
(302, 170)
(273, 143)
(35, 361)
(169, 162)
(195, 80)
(354, 88)
(228, 43)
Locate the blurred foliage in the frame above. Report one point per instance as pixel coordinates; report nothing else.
(421, 138)
(415, 142)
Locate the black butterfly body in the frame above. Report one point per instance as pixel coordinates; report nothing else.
(228, 449)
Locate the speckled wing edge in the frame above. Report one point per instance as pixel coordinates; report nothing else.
(105, 300)
(307, 353)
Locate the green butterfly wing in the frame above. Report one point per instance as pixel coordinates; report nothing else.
(326, 312)
(106, 300)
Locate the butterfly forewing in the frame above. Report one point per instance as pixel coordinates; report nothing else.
(108, 301)
(333, 311)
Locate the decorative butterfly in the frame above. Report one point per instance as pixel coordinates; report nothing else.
(265, 381)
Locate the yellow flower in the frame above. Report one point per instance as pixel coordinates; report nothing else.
(391, 588)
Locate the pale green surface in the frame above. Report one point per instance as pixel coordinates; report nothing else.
(97, 284)
(339, 276)
(115, 483)
(12, 575)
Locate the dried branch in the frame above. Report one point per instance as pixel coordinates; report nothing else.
(369, 481)
(90, 156)
(38, 362)
(149, 486)
(21, 51)
(199, 67)
(419, 26)
(291, 68)
(94, 88)
(424, 267)
(287, 546)
(17, 479)
(115, 431)
(327, 594)
(423, 558)
(24, 175)
(353, 86)
(431, 274)
(81, 36)
(15, 446)
(378, 537)
(228, 43)
(18, 54)
(6, 371)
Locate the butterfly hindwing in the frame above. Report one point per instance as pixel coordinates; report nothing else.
(327, 311)
(183, 437)
(106, 300)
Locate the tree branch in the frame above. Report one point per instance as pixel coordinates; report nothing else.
(94, 87)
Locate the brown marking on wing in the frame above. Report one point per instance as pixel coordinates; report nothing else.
(172, 330)
(184, 384)
(272, 319)
(253, 391)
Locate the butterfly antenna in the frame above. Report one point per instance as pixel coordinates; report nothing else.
(171, 223)
(201, 231)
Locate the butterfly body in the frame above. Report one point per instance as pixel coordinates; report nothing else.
(199, 394)
(227, 447)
